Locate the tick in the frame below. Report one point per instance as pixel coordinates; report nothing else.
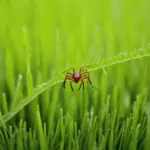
(77, 77)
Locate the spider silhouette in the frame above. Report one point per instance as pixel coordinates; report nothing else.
(77, 77)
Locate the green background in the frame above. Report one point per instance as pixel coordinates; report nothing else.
(40, 39)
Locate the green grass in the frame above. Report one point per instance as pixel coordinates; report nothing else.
(41, 39)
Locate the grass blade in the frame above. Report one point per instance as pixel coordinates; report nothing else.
(124, 57)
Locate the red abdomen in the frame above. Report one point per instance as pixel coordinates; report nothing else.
(76, 76)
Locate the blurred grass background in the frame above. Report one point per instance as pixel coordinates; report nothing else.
(40, 39)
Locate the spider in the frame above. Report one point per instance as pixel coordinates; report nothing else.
(77, 77)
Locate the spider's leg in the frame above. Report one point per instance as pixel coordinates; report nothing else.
(88, 78)
(69, 77)
(91, 82)
(69, 74)
(69, 69)
(85, 72)
(64, 83)
(72, 69)
(71, 85)
(84, 77)
(82, 83)
(84, 67)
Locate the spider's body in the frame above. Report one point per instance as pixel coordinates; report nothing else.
(77, 77)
